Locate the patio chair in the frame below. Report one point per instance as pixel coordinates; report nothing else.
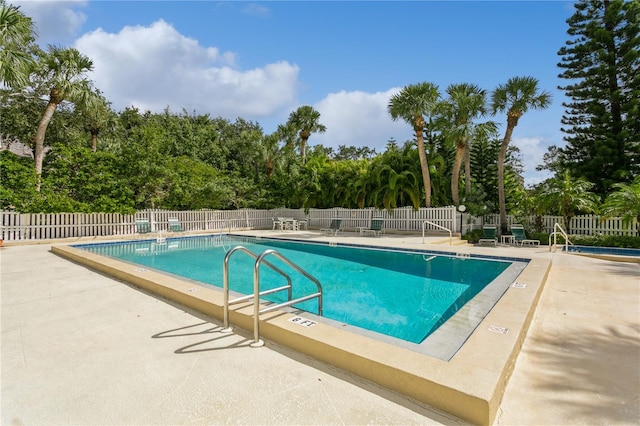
(489, 235)
(303, 223)
(376, 227)
(174, 225)
(521, 237)
(333, 228)
(143, 226)
(277, 223)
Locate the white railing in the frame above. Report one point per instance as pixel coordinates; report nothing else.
(437, 226)
(44, 226)
(557, 229)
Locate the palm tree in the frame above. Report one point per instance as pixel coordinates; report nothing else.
(62, 71)
(287, 134)
(97, 117)
(16, 34)
(515, 98)
(361, 186)
(465, 103)
(271, 153)
(321, 183)
(411, 104)
(393, 187)
(568, 196)
(305, 121)
(625, 203)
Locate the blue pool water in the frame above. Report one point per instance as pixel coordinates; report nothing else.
(400, 294)
(615, 251)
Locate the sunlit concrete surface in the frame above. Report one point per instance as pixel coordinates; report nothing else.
(580, 363)
(81, 348)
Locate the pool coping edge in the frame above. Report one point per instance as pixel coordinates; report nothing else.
(470, 386)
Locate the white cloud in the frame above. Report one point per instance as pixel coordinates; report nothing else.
(55, 21)
(359, 119)
(532, 150)
(256, 9)
(155, 66)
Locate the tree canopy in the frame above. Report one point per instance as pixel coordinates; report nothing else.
(89, 157)
(600, 64)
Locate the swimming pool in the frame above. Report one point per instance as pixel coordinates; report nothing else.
(405, 295)
(462, 368)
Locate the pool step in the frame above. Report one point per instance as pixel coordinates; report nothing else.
(455, 241)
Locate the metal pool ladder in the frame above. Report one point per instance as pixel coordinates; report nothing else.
(257, 293)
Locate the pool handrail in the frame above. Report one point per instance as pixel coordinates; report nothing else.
(256, 293)
(437, 226)
(256, 289)
(555, 233)
(225, 283)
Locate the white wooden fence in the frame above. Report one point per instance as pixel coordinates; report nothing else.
(16, 226)
(579, 225)
(43, 226)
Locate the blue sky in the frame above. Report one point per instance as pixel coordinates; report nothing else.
(261, 60)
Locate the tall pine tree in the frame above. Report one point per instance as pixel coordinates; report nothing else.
(602, 119)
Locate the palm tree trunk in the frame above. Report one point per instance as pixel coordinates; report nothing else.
(455, 175)
(269, 166)
(467, 170)
(426, 177)
(303, 148)
(94, 142)
(38, 154)
(501, 157)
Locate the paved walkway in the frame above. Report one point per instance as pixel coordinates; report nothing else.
(80, 348)
(580, 364)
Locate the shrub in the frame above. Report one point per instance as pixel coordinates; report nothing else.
(543, 237)
(620, 241)
(473, 236)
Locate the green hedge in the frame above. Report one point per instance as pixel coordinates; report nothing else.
(621, 241)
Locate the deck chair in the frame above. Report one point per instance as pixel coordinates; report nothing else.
(333, 228)
(376, 227)
(520, 236)
(303, 223)
(489, 235)
(174, 226)
(143, 226)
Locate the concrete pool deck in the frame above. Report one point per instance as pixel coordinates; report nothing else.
(79, 347)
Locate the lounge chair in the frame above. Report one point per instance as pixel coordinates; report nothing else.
(376, 227)
(143, 226)
(520, 236)
(174, 226)
(489, 235)
(333, 228)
